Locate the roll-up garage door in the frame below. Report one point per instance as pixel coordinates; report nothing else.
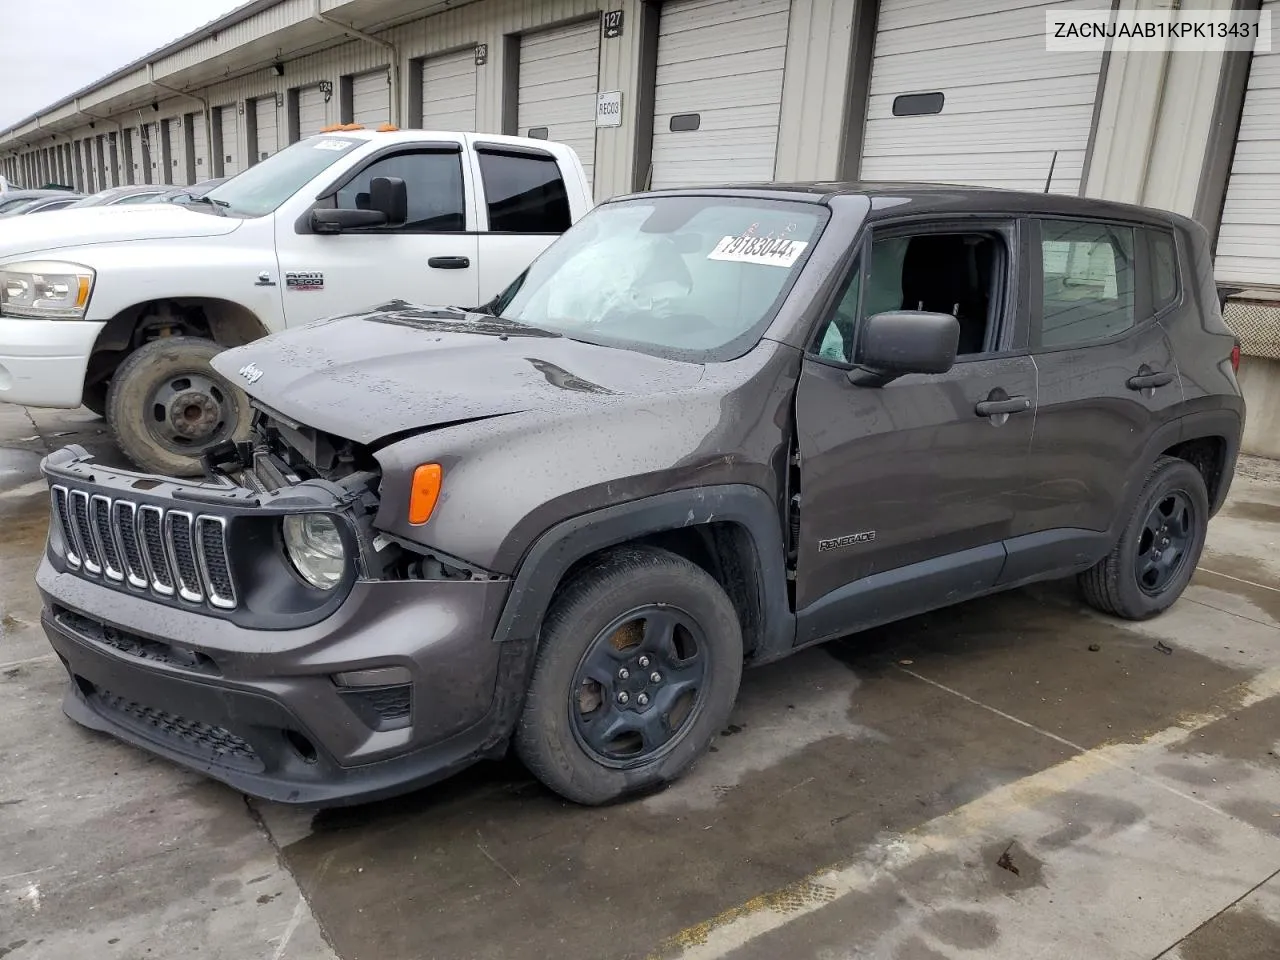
(231, 164)
(85, 161)
(1248, 250)
(177, 151)
(371, 99)
(310, 112)
(966, 93)
(265, 118)
(101, 158)
(558, 82)
(155, 150)
(449, 92)
(200, 146)
(719, 90)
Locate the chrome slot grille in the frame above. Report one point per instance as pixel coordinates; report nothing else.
(164, 551)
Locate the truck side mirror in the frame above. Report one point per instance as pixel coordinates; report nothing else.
(390, 197)
(385, 205)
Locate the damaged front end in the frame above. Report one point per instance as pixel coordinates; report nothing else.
(191, 625)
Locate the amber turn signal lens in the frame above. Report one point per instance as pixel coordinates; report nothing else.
(424, 493)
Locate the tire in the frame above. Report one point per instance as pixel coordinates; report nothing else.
(166, 405)
(1118, 585)
(553, 734)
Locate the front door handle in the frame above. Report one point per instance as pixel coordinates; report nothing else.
(994, 408)
(1149, 381)
(449, 263)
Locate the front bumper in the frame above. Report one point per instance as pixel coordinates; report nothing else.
(43, 362)
(247, 692)
(260, 711)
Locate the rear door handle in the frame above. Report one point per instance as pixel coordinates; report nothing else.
(449, 263)
(993, 408)
(1149, 381)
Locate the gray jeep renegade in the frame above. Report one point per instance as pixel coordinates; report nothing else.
(707, 428)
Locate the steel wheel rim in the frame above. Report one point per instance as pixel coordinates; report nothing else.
(187, 411)
(1164, 543)
(639, 687)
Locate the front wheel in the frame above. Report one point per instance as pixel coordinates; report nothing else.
(1156, 555)
(638, 668)
(167, 405)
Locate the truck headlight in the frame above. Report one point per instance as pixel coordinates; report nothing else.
(45, 288)
(315, 549)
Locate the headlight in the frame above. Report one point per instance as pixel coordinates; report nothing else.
(51, 289)
(314, 546)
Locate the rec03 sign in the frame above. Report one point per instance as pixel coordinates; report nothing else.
(609, 109)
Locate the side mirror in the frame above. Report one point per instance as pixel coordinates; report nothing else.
(899, 342)
(390, 197)
(388, 206)
(335, 221)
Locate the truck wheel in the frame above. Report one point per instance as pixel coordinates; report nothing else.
(166, 405)
(637, 670)
(1156, 555)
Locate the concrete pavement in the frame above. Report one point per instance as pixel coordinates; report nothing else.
(981, 781)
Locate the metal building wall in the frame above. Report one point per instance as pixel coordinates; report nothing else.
(1155, 123)
(813, 138)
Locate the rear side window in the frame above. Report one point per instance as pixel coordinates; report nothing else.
(1088, 282)
(525, 194)
(1164, 269)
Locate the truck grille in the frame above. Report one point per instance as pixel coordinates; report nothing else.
(163, 551)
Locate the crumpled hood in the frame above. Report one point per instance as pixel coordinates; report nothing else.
(125, 222)
(402, 368)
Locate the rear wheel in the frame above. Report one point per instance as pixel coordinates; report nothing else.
(166, 405)
(638, 669)
(1156, 555)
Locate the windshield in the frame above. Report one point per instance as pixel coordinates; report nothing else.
(696, 277)
(264, 186)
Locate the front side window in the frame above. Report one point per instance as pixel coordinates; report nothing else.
(433, 181)
(1088, 282)
(957, 273)
(524, 194)
(694, 277)
(262, 188)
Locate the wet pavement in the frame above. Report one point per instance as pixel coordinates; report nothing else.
(1017, 777)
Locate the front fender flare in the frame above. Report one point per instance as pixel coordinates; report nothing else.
(557, 549)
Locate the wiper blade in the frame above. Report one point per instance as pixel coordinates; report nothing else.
(218, 205)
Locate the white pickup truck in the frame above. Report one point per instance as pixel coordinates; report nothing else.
(121, 308)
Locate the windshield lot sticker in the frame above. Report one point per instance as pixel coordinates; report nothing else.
(331, 145)
(770, 251)
(304, 281)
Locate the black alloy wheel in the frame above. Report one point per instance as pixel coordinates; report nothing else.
(639, 685)
(1163, 546)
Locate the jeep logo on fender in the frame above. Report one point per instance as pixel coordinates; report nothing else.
(845, 541)
(251, 373)
(304, 281)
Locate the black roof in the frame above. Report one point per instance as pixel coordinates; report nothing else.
(934, 198)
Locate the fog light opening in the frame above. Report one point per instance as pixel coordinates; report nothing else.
(303, 747)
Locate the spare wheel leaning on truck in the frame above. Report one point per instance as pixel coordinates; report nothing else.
(121, 309)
